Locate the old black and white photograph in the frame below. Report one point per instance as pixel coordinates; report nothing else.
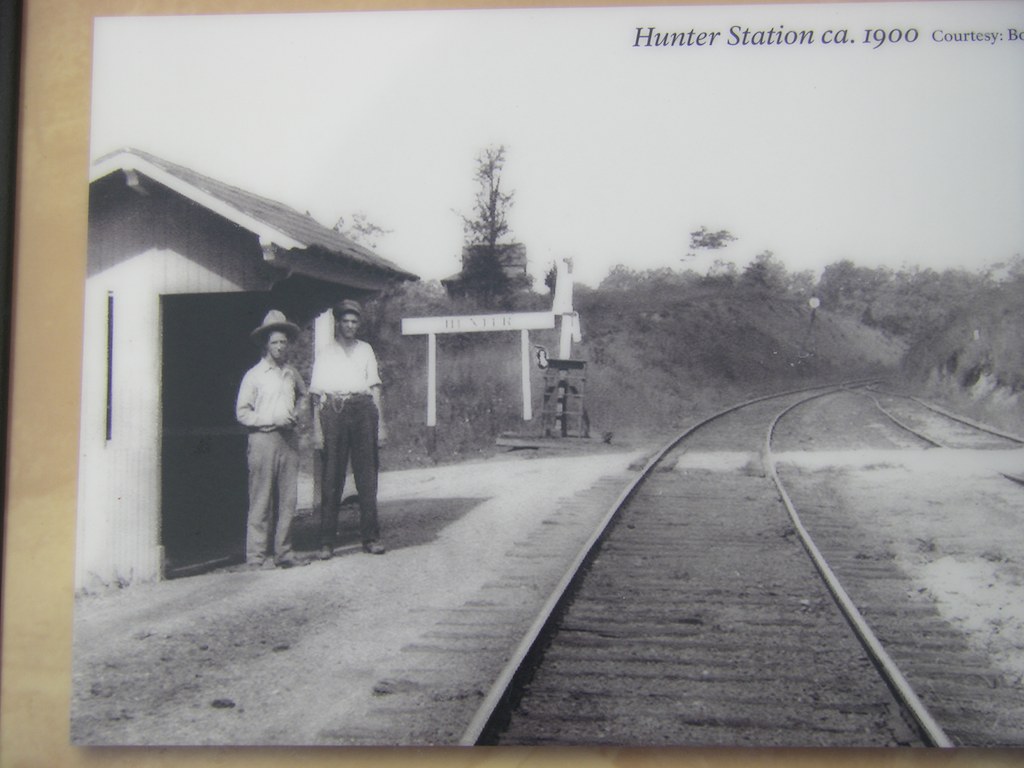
(620, 376)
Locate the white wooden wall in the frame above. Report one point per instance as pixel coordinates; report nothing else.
(118, 526)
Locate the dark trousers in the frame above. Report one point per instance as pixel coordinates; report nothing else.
(349, 430)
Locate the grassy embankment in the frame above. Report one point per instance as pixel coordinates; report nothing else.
(975, 363)
(657, 357)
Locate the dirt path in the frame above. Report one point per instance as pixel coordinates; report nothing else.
(337, 652)
(300, 656)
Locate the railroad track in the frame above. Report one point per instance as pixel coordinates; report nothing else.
(694, 615)
(936, 426)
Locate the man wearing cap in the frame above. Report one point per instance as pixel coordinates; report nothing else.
(270, 398)
(347, 390)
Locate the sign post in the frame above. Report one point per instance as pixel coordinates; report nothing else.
(523, 322)
(431, 379)
(524, 336)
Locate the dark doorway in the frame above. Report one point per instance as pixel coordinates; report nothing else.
(204, 478)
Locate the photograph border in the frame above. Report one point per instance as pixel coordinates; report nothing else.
(39, 533)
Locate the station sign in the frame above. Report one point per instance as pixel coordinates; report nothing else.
(524, 322)
(510, 321)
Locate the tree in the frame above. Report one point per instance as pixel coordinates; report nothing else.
(702, 239)
(847, 288)
(801, 283)
(490, 221)
(620, 278)
(767, 273)
(483, 274)
(361, 230)
(550, 278)
(721, 272)
(1006, 271)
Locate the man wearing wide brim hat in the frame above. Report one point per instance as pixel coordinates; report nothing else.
(346, 386)
(270, 399)
(274, 321)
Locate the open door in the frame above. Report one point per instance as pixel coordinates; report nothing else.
(204, 477)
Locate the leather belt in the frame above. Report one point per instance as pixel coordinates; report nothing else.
(337, 400)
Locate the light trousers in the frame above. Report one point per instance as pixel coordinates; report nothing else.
(273, 493)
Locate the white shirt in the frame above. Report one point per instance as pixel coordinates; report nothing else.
(268, 394)
(340, 372)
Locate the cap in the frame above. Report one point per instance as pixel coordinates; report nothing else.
(347, 306)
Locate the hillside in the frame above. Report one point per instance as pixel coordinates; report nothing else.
(658, 361)
(976, 361)
(656, 356)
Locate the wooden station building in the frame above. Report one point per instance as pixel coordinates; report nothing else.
(180, 269)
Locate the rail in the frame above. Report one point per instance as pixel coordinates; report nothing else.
(894, 678)
(484, 725)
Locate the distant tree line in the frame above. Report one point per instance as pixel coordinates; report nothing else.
(909, 302)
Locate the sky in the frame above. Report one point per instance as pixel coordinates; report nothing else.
(899, 154)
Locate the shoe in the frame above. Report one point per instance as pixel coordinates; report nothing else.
(374, 547)
(286, 562)
(254, 565)
(325, 553)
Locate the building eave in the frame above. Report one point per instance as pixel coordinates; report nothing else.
(129, 164)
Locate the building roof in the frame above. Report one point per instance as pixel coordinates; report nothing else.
(273, 222)
(511, 256)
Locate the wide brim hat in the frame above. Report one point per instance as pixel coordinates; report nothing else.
(275, 321)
